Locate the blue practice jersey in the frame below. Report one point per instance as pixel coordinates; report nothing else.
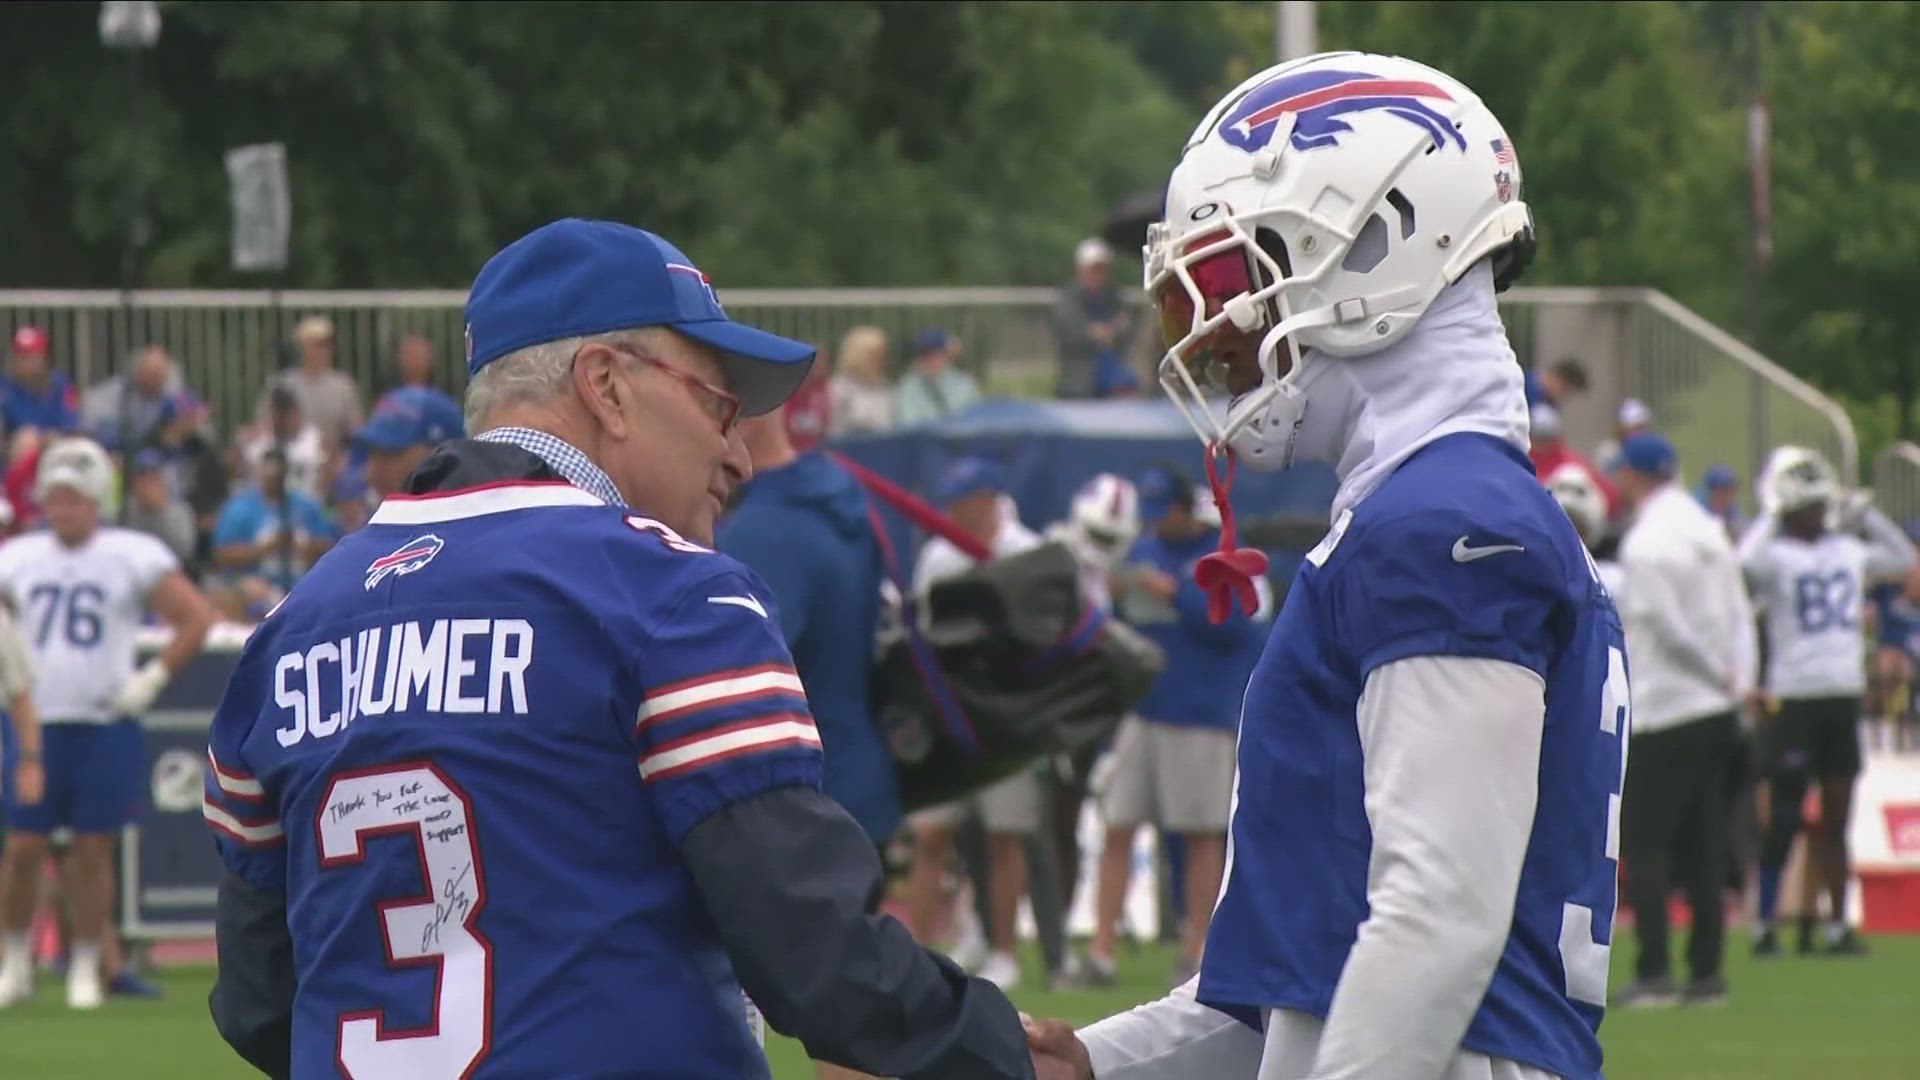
(1461, 552)
(467, 748)
(1899, 620)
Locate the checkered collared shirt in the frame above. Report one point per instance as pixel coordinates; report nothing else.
(563, 456)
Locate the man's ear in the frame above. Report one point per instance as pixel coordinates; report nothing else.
(597, 382)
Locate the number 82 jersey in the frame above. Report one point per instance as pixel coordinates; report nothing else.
(1812, 594)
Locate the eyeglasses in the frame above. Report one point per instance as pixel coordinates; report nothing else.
(715, 402)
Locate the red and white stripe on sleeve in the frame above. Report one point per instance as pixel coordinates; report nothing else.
(699, 722)
(235, 806)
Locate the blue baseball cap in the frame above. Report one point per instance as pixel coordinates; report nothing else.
(1648, 452)
(930, 340)
(147, 461)
(1160, 489)
(575, 277)
(410, 416)
(1719, 478)
(967, 476)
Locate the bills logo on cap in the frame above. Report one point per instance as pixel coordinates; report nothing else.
(706, 283)
(410, 556)
(469, 343)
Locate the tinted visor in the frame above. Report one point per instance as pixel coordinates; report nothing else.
(1217, 277)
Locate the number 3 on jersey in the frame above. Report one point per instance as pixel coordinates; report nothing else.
(419, 803)
(1586, 930)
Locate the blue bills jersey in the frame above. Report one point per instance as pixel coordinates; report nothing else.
(1461, 552)
(467, 748)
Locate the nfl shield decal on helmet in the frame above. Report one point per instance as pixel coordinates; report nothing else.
(409, 557)
(1316, 100)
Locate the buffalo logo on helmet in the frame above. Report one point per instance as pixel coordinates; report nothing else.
(1317, 100)
(408, 557)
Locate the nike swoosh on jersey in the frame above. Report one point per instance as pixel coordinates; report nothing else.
(1463, 553)
(750, 603)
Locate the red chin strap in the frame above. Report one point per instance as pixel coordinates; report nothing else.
(1229, 572)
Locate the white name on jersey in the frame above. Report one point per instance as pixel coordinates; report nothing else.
(434, 667)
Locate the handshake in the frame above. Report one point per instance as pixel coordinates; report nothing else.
(1058, 1054)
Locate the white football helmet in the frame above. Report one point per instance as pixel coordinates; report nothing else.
(1573, 488)
(1105, 518)
(1323, 204)
(77, 463)
(1797, 477)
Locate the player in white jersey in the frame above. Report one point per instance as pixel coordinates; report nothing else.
(1100, 529)
(1586, 505)
(80, 589)
(1811, 578)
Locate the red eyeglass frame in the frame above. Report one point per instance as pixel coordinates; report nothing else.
(726, 407)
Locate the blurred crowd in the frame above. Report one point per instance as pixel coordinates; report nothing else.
(248, 511)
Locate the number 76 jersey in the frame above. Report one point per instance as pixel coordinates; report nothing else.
(79, 608)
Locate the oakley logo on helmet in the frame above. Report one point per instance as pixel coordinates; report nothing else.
(1318, 99)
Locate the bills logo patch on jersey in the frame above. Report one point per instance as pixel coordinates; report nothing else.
(1316, 101)
(411, 556)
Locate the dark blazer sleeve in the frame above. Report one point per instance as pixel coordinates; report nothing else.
(794, 887)
(252, 999)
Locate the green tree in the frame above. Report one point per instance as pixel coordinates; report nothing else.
(1847, 201)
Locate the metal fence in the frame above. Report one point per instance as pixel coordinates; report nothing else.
(1896, 483)
(1716, 398)
(1719, 400)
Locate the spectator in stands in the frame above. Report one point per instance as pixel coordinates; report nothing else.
(1172, 762)
(862, 400)
(971, 492)
(301, 444)
(267, 536)
(1558, 385)
(23, 469)
(1091, 328)
(123, 411)
(1550, 452)
(1693, 653)
(33, 395)
(809, 412)
(406, 426)
(328, 398)
(413, 361)
(933, 386)
(196, 463)
(153, 508)
(1633, 418)
(1719, 492)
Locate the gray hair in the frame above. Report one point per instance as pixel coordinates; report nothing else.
(536, 373)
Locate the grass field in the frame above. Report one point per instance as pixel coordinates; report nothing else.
(1790, 1020)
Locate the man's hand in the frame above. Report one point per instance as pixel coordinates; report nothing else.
(29, 781)
(1058, 1054)
(1155, 582)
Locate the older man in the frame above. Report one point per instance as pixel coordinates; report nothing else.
(1693, 652)
(520, 781)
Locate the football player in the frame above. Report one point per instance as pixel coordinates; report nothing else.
(1100, 529)
(81, 588)
(1811, 573)
(1420, 877)
(1586, 505)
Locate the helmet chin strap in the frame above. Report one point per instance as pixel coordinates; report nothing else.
(1228, 574)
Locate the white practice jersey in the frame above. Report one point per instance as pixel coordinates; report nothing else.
(79, 609)
(1813, 596)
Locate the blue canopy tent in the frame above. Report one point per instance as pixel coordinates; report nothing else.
(1049, 449)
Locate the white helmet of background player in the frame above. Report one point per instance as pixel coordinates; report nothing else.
(1573, 488)
(75, 463)
(1799, 478)
(1105, 518)
(1315, 215)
